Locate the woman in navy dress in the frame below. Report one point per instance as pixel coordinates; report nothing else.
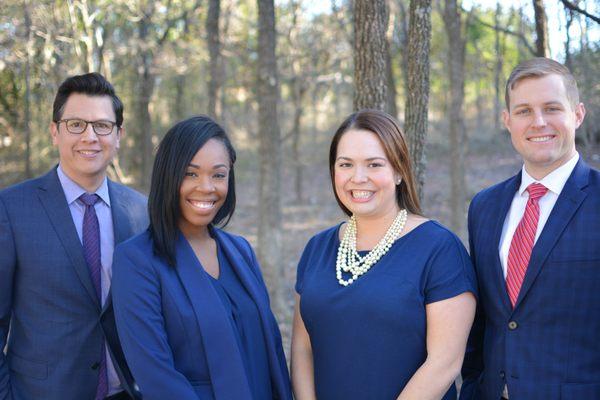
(386, 300)
(191, 307)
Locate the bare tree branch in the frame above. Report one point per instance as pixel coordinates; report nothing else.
(507, 31)
(574, 7)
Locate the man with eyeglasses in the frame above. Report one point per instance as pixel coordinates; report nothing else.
(57, 236)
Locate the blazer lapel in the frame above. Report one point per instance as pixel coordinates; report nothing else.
(120, 216)
(240, 259)
(121, 225)
(53, 200)
(225, 362)
(566, 206)
(505, 201)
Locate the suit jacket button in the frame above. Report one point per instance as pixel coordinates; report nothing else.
(502, 375)
(512, 325)
(95, 365)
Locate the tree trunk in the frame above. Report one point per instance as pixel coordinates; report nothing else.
(390, 106)
(370, 58)
(214, 51)
(402, 26)
(27, 99)
(498, 69)
(142, 104)
(569, 18)
(456, 76)
(417, 95)
(270, 251)
(541, 29)
(298, 91)
(180, 110)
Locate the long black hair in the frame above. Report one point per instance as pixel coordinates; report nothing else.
(175, 152)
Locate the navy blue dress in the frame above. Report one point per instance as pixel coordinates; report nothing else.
(369, 338)
(245, 321)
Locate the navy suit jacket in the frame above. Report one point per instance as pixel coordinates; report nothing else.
(47, 298)
(548, 346)
(175, 332)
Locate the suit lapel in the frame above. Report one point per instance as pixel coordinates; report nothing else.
(505, 201)
(121, 224)
(566, 206)
(53, 200)
(225, 363)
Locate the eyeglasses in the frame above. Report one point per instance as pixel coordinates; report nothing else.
(78, 126)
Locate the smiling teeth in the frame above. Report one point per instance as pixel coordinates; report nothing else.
(88, 152)
(203, 204)
(540, 139)
(361, 194)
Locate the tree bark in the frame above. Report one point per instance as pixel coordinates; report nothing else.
(541, 29)
(417, 95)
(390, 106)
(457, 129)
(27, 96)
(214, 51)
(270, 246)
(142, 103)
(497, 69)
(370, 58)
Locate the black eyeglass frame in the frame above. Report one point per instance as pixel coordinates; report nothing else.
(66, 121)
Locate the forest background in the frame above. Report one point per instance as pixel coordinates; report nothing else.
(280, 77)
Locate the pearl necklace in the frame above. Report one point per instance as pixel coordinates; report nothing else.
(348, 259)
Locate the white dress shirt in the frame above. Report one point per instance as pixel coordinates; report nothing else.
(554, 181)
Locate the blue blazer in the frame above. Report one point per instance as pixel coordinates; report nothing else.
(174, 329)
(548, 346)
(47, 298)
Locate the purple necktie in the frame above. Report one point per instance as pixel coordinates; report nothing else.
(91, 252)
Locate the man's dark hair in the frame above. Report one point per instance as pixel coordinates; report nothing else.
(175, 152)
(92, 84)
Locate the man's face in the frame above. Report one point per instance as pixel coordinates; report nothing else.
(542, 123)
(84, 157)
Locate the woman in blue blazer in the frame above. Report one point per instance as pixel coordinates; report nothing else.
(191, 307)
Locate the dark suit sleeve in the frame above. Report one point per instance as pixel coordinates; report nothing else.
(8, 262)
(473, 362)
(138, 313)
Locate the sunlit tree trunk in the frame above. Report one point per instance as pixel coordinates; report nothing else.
(270, 243)
(417, 94)
(541, 29)
(214, 51)
(370, 54)
(457, 129)
(27, 97)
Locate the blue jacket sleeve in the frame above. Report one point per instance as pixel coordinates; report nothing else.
(473, 361)
(140, 324)
(8, 262)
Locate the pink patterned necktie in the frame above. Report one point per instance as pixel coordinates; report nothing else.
(521, 245)
(91, 252)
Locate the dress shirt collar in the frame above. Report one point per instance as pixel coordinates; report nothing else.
(73, 190)
(554, 181)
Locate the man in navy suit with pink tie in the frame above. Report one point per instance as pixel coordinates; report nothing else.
(535, 244)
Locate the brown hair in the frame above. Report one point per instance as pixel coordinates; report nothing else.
(537, 68)
(394, 144)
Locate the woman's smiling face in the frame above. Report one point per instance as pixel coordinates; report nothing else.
(365, 181)
(204, 187)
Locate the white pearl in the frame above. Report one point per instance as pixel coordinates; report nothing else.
(348, 260)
